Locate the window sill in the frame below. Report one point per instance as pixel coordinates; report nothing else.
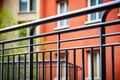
(92, 22)
(61, 27)
(96, 78)
(26, 12)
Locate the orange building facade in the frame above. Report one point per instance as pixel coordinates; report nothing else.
(56, 7)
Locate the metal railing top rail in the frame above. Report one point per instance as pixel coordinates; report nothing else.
(64, 31)
(101, 7)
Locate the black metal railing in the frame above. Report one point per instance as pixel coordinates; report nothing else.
(20, 69)
(58, 61)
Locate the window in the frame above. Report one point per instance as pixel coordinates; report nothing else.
(97, 15)
(27, 5)
(62, 67)
(96, 61)
(62, 8)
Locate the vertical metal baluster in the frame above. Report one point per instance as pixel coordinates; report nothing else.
(102, 55)
(92, 66)
(50, 65)
(8, 69)
(83, 71)
(30, 59)
(2, 62)
(36, 66)
(102, 48)
(18, 67)
(5, 65)
(31, 32)
(66, 64)
(58, 57)
(39, 71)
(25, 67)
(13, 64)
(113, 75)
(43, 67)
(74, 64)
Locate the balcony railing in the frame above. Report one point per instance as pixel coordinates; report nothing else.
(59, 61)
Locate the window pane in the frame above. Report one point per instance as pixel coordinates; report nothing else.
(100, 15)
(62, 8)
(95, 64)
(33, 5)
(62, 69)
(67, 22)
(93, 16)
(62, 23)
(66, 6)
(23, 0)
(100, 1)
(93, 2)
(23, 5)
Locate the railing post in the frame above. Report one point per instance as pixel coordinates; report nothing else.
(8, 70)
(74, 64)
(32, 30)
(66, 64)
(31, 54)
(43, 66)
(58, 57)
(113, 63)
(102, 55)
(91, 64)
(30, 59)
(2, 61)
(102, 48)
(51, 65)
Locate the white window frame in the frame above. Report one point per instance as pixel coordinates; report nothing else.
(89, 15)
(63, 78)
(58, 12)
(119, 13)
(28, 7)
(89, 66)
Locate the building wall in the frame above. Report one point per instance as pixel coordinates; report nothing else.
(49, 8)
(13, 6)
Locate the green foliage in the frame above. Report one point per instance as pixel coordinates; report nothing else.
(6, 18)
(22, 32)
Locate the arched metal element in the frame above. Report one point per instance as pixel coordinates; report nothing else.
(104, 17)
(102, 48)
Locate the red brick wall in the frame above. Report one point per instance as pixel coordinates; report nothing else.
(49, 8)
